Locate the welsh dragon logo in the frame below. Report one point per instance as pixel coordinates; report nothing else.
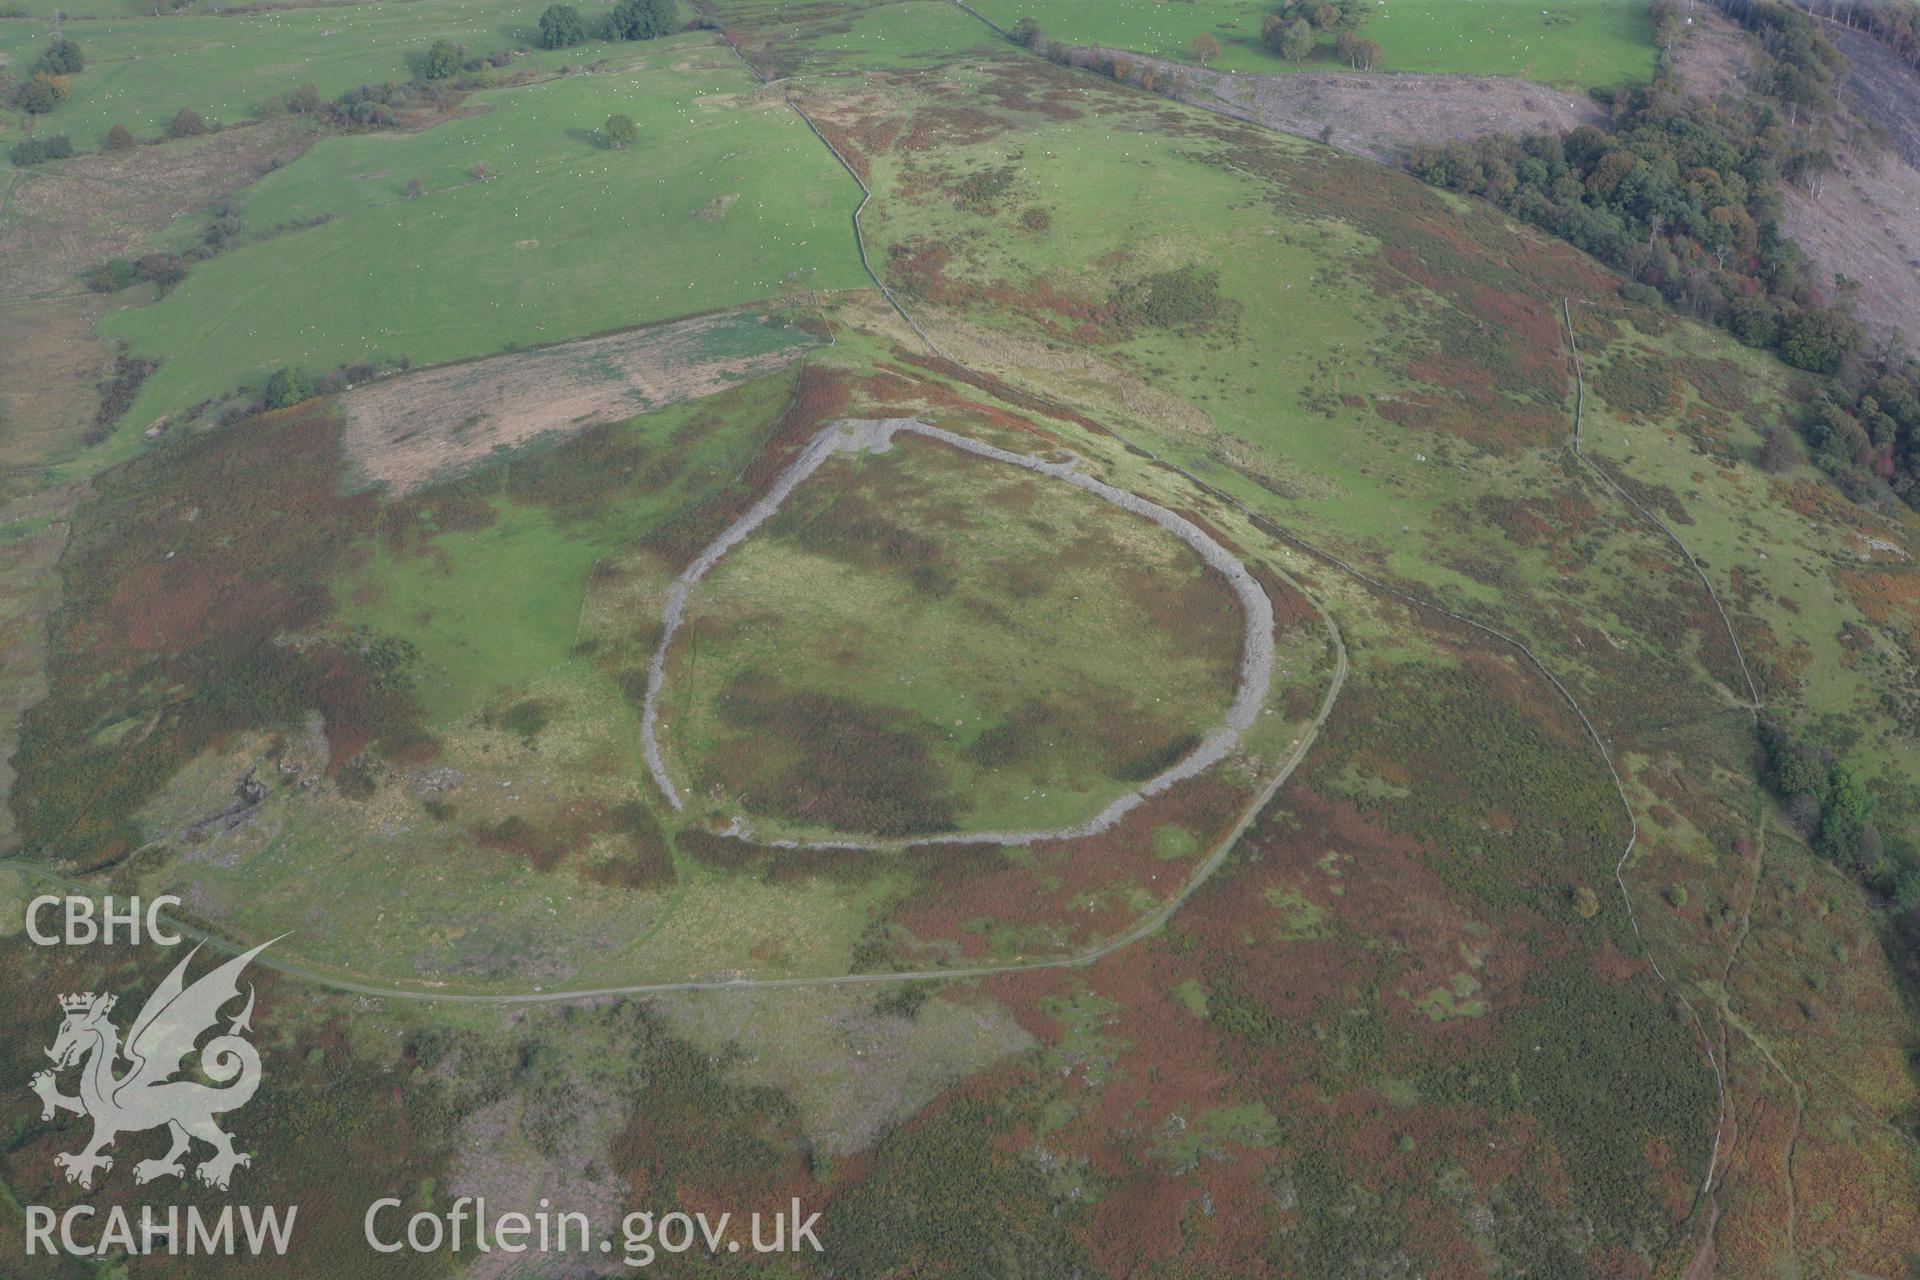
(145, 1095)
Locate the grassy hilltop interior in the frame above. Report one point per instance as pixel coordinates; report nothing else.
(356, 677)
(981, 648)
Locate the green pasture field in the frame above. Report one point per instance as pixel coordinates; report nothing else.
(1573, 44)
(997, 626)
(723, 200)
(497, 606)
(140, 70)
(907, 35)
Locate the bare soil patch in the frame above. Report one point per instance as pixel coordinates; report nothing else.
(1374, 115)
(63, 221)
(1865, 224)
(1713, 57)
(408, 431)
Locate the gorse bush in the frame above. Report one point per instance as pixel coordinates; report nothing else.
(1171, 299)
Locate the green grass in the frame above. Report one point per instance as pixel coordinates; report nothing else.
(492, 608)
(141, 70)
(997, 622)
(1599, 43)
(1802, 580)
(1283, 400)
(563, 238)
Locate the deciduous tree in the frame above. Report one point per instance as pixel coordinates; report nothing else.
(561, 28)
(642, 19)
(37, 96)
(1358, 52)
(1296, 40)
(62, 58)
(444, 59)
(288, 386)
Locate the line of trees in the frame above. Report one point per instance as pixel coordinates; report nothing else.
(56, 146)
(562, 27)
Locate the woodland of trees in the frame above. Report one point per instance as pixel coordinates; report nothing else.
(50, 81)
(1683, 195)
(561, 26)
(1301, 27)
(1830, 807)
(1894, 23)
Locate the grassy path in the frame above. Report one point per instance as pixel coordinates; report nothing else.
(1754, 703)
